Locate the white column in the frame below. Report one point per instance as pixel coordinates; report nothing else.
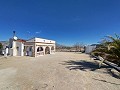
(21, 49)
(50, 49)
(54, 48)
(35, 50)
(44, 49)
(14, 51)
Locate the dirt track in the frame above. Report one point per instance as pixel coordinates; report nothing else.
(62, 71)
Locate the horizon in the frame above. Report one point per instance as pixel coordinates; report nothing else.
(66, 22)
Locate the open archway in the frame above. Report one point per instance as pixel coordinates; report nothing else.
(39, 49)
(52, 48)
(29, 50)
(47, 50)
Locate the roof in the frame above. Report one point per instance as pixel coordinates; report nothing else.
(21, 40)
(35, 39)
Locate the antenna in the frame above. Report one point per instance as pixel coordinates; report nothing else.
(13, 33)
(14, 37)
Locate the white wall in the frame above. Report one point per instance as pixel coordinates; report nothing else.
(20, 49)
(13, 51)
(44, 40)
(41, 40)
(89, 49)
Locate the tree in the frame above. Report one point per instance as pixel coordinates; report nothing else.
(109, 49)
(114, 49)
(78, 46)
(1, 46)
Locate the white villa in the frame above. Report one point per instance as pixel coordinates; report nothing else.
(33, 47)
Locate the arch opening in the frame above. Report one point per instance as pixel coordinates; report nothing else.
(47, 50)
(52, 48)
(39, 49)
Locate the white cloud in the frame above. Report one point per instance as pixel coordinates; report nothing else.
(38, 32)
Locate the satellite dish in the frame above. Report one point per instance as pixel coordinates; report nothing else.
(15, 38)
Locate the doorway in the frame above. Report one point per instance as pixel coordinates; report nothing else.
(47, 50)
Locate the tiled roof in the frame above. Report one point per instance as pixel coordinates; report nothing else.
(21, 40)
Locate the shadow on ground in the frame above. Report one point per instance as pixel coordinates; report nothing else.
(106, 81)
(85, 65)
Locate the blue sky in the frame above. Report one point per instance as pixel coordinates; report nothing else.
(66, 21)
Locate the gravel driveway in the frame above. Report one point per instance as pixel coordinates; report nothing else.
(60, 71)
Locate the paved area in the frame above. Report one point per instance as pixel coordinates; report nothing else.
(61, 71)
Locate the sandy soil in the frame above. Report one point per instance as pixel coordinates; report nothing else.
(61, 71)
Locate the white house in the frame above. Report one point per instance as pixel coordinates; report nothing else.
(33, 47)
(39, 46)
(16, 47)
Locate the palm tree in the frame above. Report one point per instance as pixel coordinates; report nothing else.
(109, 49)
(115, 48)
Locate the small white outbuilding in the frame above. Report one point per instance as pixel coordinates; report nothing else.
(89, 48)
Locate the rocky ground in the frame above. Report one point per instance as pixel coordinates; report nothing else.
(61, 71)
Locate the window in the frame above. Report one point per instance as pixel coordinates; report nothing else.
(17, 48)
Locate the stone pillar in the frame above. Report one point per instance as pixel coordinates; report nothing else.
(44, 49)
(14, 51)
(35, 50)
(32, 51)
(21, 49)
(50, 49)
(54, 48)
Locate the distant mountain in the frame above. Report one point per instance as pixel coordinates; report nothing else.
(4, 42)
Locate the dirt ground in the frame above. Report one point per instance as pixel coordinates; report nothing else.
(60, 71)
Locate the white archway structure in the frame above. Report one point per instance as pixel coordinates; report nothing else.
(41, 46)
